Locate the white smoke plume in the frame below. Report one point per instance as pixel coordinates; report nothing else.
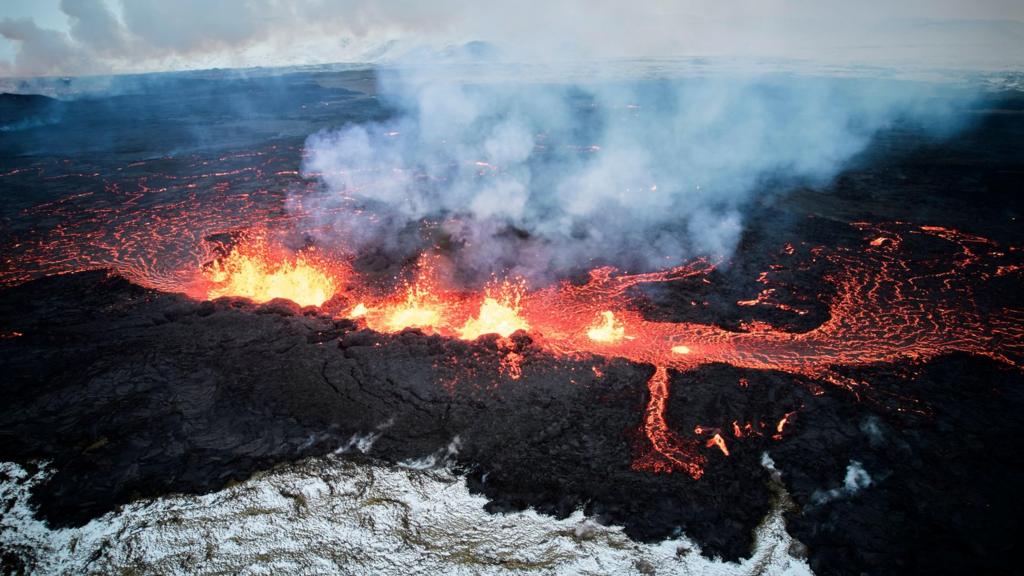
(856, 479)
(544, 178)
(872, 428)
(544, 174)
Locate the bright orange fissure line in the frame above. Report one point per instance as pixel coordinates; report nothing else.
(905, 293)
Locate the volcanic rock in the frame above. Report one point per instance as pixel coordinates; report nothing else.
(134, 393)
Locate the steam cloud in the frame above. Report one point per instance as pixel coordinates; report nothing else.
(856, 479)
(546, 179)
(543, 178)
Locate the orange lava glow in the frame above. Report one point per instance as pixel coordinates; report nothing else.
(419, 308)
(718, 442)
(886, 300)
(875, 317)
(670, 450)
(253, 270)
(607, 329)
(500, 313)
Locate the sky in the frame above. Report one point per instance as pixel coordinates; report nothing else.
(82, 37)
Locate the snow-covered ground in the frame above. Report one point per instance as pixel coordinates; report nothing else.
(330, 515)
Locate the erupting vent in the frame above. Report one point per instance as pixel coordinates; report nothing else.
(256, 271)
(877, 315)
(884, 304)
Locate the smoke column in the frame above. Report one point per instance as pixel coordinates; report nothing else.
(544, 178)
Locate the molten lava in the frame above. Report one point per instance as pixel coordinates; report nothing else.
(418, 309)
(670, 451)
(875, 317)
(500, 313)
(887, 301)
(718, 442)
(608, 329)
(253, 270)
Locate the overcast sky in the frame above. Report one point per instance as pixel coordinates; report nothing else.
(75, 37)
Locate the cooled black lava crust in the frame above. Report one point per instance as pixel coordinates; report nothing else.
(134, 393)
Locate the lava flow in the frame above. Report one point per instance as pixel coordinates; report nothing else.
(884, 309)
(670, 450)
(903, 293)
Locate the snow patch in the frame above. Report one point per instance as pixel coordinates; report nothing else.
(363, 442)
(331, 515)
(442, 458)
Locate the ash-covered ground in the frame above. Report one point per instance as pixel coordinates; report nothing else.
(121, 393)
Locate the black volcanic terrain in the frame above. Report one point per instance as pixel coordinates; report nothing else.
(131, 392)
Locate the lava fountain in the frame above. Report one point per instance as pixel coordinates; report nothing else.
(885, 305)
(255, 270)
(500, 312)
(876, 316)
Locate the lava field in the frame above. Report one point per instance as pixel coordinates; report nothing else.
(171, 322)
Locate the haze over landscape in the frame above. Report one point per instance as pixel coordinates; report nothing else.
(75, 37)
